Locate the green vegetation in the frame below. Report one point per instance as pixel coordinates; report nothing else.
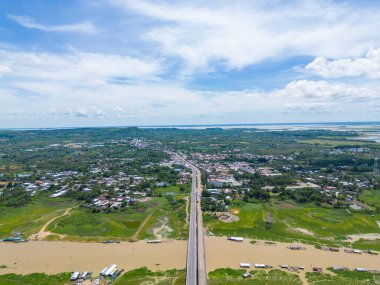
(29, 219)
(83, 224)
(177, 190)
(290, 219)
(121, 163)
(227, 276)
(340, 142)
(367, 244)
(145, 276)
(16, 197)
(34, 279)
(371, 198)
(343, 278)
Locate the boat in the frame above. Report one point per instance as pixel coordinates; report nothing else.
(74, 276)
(154, 241)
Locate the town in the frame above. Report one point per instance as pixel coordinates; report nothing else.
(291, 189)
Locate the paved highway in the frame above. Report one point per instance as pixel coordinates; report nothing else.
(192, 254)
(196, 273)
(202, 273)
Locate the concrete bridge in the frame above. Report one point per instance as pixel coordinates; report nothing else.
(196, 262)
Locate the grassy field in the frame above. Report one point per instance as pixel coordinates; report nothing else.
(371, 198)
(34, 279)
(289, 219)
(222, 276)
(31, 218)
(145, 276)
(226, 276)
(367, 244)
(343, 278)
(338, 142)
(136, 222)
(173, 189)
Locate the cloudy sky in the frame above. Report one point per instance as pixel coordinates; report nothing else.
(127, 62)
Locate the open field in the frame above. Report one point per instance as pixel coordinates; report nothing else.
(343, 278)
(291, 221)
(367, 244)
(173, 189)
(34, 279)
(371, 198)
(226, 276)
(31, 218)
(220, 276)
(145, 276)
(338, 142)
(135, 222)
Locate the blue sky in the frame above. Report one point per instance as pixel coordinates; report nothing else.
(124, 62)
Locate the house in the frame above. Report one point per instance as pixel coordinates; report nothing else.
(213, 191)
(303, 185)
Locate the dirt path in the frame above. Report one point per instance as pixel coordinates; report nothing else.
(163, 230)
(136, 235)
(43, 233)
(187, 208)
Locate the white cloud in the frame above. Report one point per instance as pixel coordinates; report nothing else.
(368, 66)
(306, 89)
(82, 112)
(80, 86)
(90, 69)
(310, 107)
(27, 22)
(159, 103)
(5, 70)
(114, 89)
(212, 33)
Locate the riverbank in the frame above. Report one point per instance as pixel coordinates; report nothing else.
(54, 257)
(222, 253)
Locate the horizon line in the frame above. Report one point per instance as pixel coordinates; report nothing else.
(201, 125)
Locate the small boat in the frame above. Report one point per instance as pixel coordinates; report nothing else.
(154, 241)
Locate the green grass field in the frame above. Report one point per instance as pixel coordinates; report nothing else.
(338, 142)
(82, 224)
(173, 189)
(371, 198)
(227, 276)
(343, 278)
(32, 217)
(367, 244)
(145, 276)
(287, 217)
(34, 279)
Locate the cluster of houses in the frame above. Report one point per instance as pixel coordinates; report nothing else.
(115, 202)
(338, 188)
(117, 190)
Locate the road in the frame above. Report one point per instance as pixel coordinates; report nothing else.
(202, 273)
(192, 253)
(196, 273)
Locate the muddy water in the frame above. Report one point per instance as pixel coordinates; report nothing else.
(54, 257)
(223, 253)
